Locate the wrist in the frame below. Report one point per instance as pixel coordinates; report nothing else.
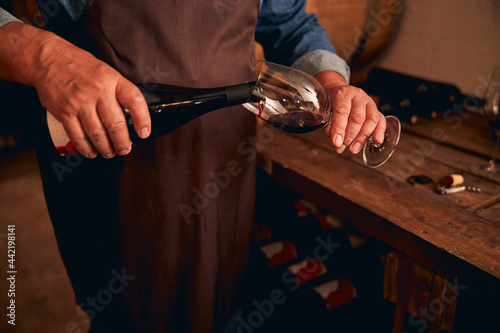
(330, 78)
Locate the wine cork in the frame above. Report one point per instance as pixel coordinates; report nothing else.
(453, 179)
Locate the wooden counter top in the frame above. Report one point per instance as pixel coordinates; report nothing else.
(453, 235)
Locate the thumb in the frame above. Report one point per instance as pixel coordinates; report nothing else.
(130, 97)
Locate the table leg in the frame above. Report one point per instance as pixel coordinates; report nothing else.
(426, 297)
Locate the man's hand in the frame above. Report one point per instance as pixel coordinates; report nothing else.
(82, 92)
(355, 115)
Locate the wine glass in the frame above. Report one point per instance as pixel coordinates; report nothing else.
(289, 99)
(490, 109)
(294, 101)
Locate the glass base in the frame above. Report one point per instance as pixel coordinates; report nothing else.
(374, 155)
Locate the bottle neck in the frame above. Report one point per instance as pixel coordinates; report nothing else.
(171, 107)
(165, 95)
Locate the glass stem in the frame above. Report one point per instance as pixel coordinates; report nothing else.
(374, 144)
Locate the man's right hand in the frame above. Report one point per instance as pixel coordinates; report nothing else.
(85, 94)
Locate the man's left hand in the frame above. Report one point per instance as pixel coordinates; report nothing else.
(355, 116)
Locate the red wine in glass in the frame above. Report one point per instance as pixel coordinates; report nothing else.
(296, 122)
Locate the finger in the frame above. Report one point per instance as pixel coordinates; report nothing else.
(372, 118)
(341, 106)
(328, 129)
(379, 132)
(130, 97)
(77, 135)
(340, 149)
(97, 133)
(113, 119)
(356, 120)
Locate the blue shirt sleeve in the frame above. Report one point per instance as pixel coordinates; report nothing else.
(292, 37)
(73, 7)
(6, 17)
(287, 32)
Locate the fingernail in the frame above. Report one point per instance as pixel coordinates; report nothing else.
(109, 155)
(340, 149)
(338, 141)
(380, 138)
(144, 132)
(356, 148)
(124, 151)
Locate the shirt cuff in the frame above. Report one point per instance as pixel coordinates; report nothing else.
(6, 17)
(321, 60)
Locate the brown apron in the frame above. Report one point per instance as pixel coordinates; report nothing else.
(171, 222)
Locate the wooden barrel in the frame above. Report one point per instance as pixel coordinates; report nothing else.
(360, 30)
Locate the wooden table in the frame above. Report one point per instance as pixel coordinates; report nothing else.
(436, 238)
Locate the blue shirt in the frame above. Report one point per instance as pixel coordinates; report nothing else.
(288, 34)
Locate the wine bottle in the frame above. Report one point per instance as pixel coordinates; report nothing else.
(169, 107)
